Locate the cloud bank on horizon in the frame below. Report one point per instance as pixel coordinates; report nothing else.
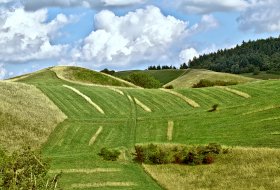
(125, 34)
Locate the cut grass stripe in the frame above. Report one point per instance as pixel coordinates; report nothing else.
(116, 90)
(170, 130)
(85, 97)
(237, 92)
(94, 137)
(85, 171)
(104, 184)
(130, 99)
(262, 109)
(142, 105)
(188, 100)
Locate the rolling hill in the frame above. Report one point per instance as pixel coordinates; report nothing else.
(193, 76)
(117, 117)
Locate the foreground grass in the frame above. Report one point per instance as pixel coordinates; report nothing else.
(27, 116)
(193, 76)
(242, 168)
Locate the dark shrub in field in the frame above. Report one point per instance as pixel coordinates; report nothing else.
(109, 154)
(207, 83)
(169, 87)
(214, 108)
(179, 154)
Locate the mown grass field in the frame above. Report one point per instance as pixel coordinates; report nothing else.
(193, 76)
(164, 76)
(238, 121)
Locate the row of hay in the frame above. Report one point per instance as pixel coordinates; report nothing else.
(262, 109)
(188, 100)
(237, 92)
(103, 184)
(94, 137)
(85, 97)
(170, 130)
(142, 105)
(116, 90)
(86, 171)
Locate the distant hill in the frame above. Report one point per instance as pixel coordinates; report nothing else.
(193, 76)
(163, 76)
(252, 56)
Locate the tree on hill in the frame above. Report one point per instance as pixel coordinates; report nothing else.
(184, 66)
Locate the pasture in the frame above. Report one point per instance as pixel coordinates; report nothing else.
(133, 115)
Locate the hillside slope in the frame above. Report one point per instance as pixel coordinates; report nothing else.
(86, 76)
(163, 76)
(193, 76)
(27, 116)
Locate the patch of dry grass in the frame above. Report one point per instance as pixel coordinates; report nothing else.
(188, 100)
(142, 105)
(27, 116)
(104, 184)
(86, 98)
(242, 168)
(237, 92)
(170, 130)
(94, 137)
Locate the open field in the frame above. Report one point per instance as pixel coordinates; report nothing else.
(193, 76)
(75, 143)
(262, 75)
(164, 76)
(243, 168)
(27, 116)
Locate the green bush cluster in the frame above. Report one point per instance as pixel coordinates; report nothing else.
(207, 83)
(177, 154)
(109, 154)
(25, 169)
(144, 80)
(169, 87)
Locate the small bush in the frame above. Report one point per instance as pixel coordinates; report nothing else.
(169, 87)
(214, 108)
(208, 159)
(109, 154)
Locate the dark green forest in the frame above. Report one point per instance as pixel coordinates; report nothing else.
(251, 56)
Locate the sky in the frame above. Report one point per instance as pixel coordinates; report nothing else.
(122, 34)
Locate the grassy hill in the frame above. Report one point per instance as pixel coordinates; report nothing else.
(106, 116)
(193, 76)
(164, 76)
(27, 116)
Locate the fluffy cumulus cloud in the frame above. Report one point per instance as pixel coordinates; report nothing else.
(207, 22)
(3, 71)
(188, 54)
(26, 36)
(210, 6)
(145, 34)
(38, 4)
(261, 16)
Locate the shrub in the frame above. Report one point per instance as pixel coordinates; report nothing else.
(178, 154)
(214, 108)
(169, 87)
(207, 83)
(25, 169)
(109, 154)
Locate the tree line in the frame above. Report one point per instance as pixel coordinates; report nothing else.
(251, 56)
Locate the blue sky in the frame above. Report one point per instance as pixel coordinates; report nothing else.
(122, 34)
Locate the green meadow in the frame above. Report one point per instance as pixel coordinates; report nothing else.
(133, 115)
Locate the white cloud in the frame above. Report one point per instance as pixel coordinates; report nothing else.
(261, 16)
(207, 22)
(3, 72)
(188, 54)
(25, 36)
(143, 35)
(38, 4)
(210, 6)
